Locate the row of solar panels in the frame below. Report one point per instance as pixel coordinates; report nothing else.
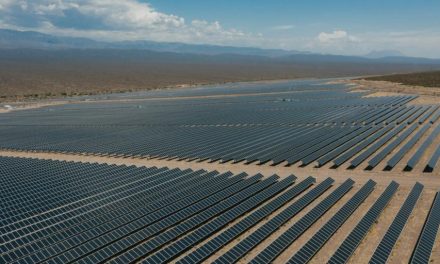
(262, 144)
(62, 212)
(258, 112)
(240, 88)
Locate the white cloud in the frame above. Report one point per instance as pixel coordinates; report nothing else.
(422, 43)
(5, 4)
(336, 42)
(113, 20)
(128, 14)
(135, 20)
(283, 27)
(337, 35)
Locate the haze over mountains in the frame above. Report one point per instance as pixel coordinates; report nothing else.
(384, 53)
(11, 39)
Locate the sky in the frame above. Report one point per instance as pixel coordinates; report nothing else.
(335, 27)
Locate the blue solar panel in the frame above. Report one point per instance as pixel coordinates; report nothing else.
(422, 252)
(244, 246)
(290, 235)
(353, 240)
(306, 252)
(387, 243)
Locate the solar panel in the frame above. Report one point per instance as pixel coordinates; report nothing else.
(417, 114)
(77, 206)
(89, 239)
(301, 143)
(368, 152)
(425, 243)
(379, 112)
(404, 149)
(247, 244)
(428, 113)
(404, 118)
(336, 152)
(112, 247)
(391, 119)
(178, 247)
(311, 149)
(422, 149)
(303, 127)
(324, 150)
(384, 152)
(291, 234)
(353, 240)
(387, 243)
(83, 231)
(362, 145)
(54, 211)
(433, 160)
(325, 233)
(231, 233)
(435, 116)
(384, 119)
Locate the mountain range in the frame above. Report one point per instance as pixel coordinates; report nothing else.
(11, 39)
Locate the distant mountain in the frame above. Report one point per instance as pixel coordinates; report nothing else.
(328, 58)
(10, 39)
(376, 54)
(203, 49)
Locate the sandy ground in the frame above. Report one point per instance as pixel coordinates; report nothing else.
(188, 97)
(251, 230)
(18, 106)
(400, 254)
(6, 107)
(408, 238)
(365, 250)
(282, 229)
(327, 251)
(430, 180)
(427, 95)
(234, 242)
(311, 231)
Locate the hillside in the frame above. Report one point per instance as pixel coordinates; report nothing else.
(37, 65)
(427, 79)
(29, 73)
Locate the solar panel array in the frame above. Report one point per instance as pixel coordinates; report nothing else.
(353, 240)
(385, 247)
(316, 242)
(233, 232)
(428, 236)
(305, 123)
(244, 246)
(58, 212)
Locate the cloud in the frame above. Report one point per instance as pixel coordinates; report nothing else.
(104, 14)
(113, 20)
(335, 36)
(412, 43)
(336, 42)
(283, 27)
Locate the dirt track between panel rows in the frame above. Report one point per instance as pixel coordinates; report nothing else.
(430, 180)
